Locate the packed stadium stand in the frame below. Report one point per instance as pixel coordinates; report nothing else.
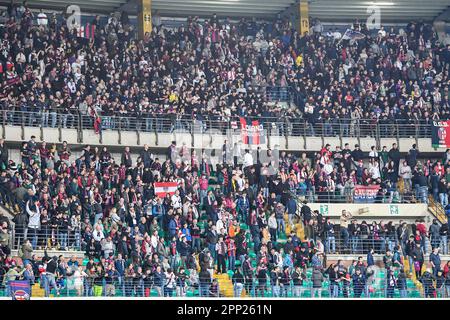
(224, 156)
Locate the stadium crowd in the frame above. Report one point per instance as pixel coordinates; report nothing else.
(215, 69)
(230, 218)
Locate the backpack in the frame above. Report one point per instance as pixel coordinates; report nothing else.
(417, 266)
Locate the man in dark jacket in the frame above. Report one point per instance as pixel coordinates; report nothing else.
(145, 156)
(159, 280)
(428, 285)
(275, 281)
(50, 273)
(394, 155)
(411, 157)
(401, 284)
(204, 282)
(126, 158)
(297, 280)
(443, 232)
(418, 259)
(359, 282)
(357, 154)
(211, 240)
(4, 154)
(434, 234)
(238, 282)
(435, 261)
(305, 212)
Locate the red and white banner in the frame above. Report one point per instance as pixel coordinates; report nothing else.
(163, 188)
(365, 193)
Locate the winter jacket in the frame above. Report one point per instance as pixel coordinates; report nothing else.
(317, 278)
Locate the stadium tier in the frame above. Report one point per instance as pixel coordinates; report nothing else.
(222, 158)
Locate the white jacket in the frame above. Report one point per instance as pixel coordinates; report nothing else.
(272, 223)
(35, 217)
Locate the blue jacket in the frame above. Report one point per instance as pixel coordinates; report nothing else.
(242, 206)
(291, 206)
(158, 279)
(359, 281)
(370, 260)
(187, 233)
(120, 266)
(158, 210)
(173, 227)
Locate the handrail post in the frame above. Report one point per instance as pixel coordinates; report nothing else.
(4, 125)
(377, 136)
(22, 134)
(416, 131)
(398, 133)
(323, 132)
(210, 134)
(192, 133)
(358, 124)
(60, 130)
(138, 134)
(41, 131)
(119, 130)
(80, 127)
(304, 134)
(286, 136)
(156, 132)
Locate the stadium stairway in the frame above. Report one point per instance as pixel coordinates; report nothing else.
(225, 283)
(412, 275)
(298, 227)
(436, 209)
(37, 291)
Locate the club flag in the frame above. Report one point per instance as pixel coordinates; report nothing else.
(20, 290)
(87, 31)
(164, 188)
(80, 32)
(352, 35)
(252, 131)
(440, 134)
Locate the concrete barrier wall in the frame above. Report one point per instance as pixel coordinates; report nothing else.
(206, 140)
(371, 211)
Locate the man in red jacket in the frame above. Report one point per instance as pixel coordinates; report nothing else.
(423, 233)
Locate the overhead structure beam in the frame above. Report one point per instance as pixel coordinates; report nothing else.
(444, 16)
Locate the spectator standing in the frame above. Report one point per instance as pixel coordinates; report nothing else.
(435, 261)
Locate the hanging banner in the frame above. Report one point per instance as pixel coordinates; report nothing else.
(252, 131)
(20, 290)
(365, 194)
(304, 17)
(144, 18)
(440, 134)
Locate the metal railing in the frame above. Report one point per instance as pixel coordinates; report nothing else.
(141, 286)
(274, 126)
(49, 238)
(346, 195)
(361, 244)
